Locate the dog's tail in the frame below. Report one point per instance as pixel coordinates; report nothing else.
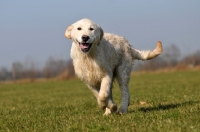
(147, 55)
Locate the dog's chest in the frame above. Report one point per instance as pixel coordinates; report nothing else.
(89, 71)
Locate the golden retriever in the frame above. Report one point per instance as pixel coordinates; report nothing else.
(99, 58)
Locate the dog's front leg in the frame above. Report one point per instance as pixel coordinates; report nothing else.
(104, 92)
(111, 105)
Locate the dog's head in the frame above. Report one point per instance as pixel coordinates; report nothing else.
(85, 34)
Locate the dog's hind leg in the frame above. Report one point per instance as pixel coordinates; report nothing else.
(123, 77)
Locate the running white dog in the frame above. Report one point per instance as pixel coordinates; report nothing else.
(100, 57)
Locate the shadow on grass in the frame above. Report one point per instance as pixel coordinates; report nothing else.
(167, 106)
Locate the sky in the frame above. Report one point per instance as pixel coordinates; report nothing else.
(34, 30)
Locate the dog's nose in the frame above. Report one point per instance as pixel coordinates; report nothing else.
(85, 38)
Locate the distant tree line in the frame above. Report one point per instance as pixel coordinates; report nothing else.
(63, 69)
(53, 68)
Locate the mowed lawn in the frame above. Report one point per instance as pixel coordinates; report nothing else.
(159, 102)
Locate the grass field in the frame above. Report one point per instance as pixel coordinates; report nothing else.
(159, 102)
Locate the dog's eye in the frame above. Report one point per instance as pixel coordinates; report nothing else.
(78, 28)
(91, 29)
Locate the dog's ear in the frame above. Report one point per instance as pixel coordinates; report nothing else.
(101, 32)
(68, 32)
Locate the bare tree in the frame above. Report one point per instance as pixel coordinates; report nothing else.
(54, 67)
(5, 74)
(28, 69)
(69, 71)
(17, 69)
(171, 55)
(191, 60)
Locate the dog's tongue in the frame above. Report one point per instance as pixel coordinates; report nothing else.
(84, 45)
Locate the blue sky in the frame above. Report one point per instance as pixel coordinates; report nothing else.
(35, 29)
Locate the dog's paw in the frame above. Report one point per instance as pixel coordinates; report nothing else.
(107, 112)
(122, 110)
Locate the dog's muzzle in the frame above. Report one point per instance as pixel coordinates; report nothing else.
(85, 47)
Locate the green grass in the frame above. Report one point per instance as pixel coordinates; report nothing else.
(172, 103)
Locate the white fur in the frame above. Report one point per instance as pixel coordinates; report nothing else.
(110, 57)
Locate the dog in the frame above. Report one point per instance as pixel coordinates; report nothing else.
(100, 58)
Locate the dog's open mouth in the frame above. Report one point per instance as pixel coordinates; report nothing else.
(85, 47)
